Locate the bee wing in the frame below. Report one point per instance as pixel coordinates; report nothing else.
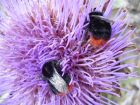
(103, 18)
(132, 27)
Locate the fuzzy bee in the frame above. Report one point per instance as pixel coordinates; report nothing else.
(59, 84)
(99, 30)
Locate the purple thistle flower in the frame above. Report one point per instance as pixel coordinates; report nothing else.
(34, 32)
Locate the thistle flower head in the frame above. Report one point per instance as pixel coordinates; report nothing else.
(36, 31)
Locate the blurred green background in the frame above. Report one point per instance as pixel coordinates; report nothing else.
(132, 97)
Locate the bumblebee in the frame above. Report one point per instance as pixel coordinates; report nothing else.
(59, 84)
(99, 30)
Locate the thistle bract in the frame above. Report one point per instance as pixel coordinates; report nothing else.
(36, 31)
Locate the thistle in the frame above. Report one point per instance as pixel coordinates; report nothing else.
(36, 31)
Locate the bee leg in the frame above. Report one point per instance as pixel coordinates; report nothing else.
(54, 90)
(67, 78)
